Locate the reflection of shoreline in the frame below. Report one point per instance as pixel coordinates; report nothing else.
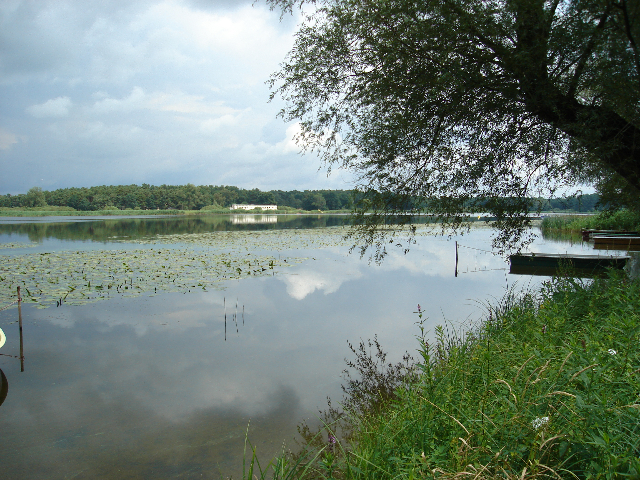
(251, 219)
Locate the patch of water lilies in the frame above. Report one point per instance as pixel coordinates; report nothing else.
(176, 263)
(86, 276)
(271, 240)
(17, 245)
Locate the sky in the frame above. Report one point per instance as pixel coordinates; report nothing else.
(115, 92)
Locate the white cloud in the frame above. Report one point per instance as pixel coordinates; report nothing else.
(289, 144)
(55, 107)
(133, 101)
(190, 106)
(7, 139)
(214, 124)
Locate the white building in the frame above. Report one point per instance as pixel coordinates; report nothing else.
(237, 206)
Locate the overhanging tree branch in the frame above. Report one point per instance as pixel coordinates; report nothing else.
(469, 99)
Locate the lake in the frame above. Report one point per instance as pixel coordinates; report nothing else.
(153, 345)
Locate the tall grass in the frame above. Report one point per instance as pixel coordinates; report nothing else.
(546, 387)
(620, 220)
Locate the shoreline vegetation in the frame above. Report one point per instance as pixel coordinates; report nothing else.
(545, 386)
(219, 199)
(50, 211)
(569, 221)
(617, 220)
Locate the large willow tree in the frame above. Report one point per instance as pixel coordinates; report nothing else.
(457, 106)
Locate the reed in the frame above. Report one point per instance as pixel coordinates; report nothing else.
(619, 220)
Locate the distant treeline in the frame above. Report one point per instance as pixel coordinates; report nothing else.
(176, 197)
(581, 203)
(191, 197)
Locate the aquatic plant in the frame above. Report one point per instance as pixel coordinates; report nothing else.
(171, 263)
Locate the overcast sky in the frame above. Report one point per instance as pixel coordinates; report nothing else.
(117, 92)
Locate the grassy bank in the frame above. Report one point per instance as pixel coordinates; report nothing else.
(68, 211)
(52, 211)
(546, 387)
(621, 220)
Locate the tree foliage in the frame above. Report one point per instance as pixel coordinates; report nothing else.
(176, 197)
(468, 105)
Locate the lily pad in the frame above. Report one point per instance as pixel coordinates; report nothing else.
(174, 263)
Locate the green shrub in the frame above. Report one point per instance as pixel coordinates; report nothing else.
(214, 207)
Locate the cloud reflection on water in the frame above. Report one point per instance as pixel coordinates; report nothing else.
(151, 386)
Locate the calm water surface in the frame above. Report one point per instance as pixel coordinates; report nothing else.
(163, 387)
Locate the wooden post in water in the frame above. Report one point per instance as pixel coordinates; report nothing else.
(20, 327)
(456, 258)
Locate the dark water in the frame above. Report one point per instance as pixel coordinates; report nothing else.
(108, 229)
(163, 387)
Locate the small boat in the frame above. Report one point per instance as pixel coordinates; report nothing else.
(618, 239)
(576, 265)
(588, 234)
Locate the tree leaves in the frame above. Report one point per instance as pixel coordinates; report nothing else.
(457, 106)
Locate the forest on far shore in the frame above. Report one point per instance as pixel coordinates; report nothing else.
(192, 197)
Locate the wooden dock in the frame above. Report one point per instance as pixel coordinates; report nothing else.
(576, 265)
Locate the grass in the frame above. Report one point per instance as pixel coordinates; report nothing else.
(620, 220)
(68, 211)
(546, 387)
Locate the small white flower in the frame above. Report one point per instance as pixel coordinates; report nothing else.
(612, 351)
(539, 421)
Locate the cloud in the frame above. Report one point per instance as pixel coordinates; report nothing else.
(172, 89)
(289, 144)
(7, 139)
(214, 124)
(55, 107)
(108, 105)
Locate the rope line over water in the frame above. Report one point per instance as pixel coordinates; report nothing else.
(11, 356)
(479, 249)
(484, 270)
(7, 306)
(477, 270)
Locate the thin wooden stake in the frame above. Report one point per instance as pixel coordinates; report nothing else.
(20, 328)
(456, 273)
